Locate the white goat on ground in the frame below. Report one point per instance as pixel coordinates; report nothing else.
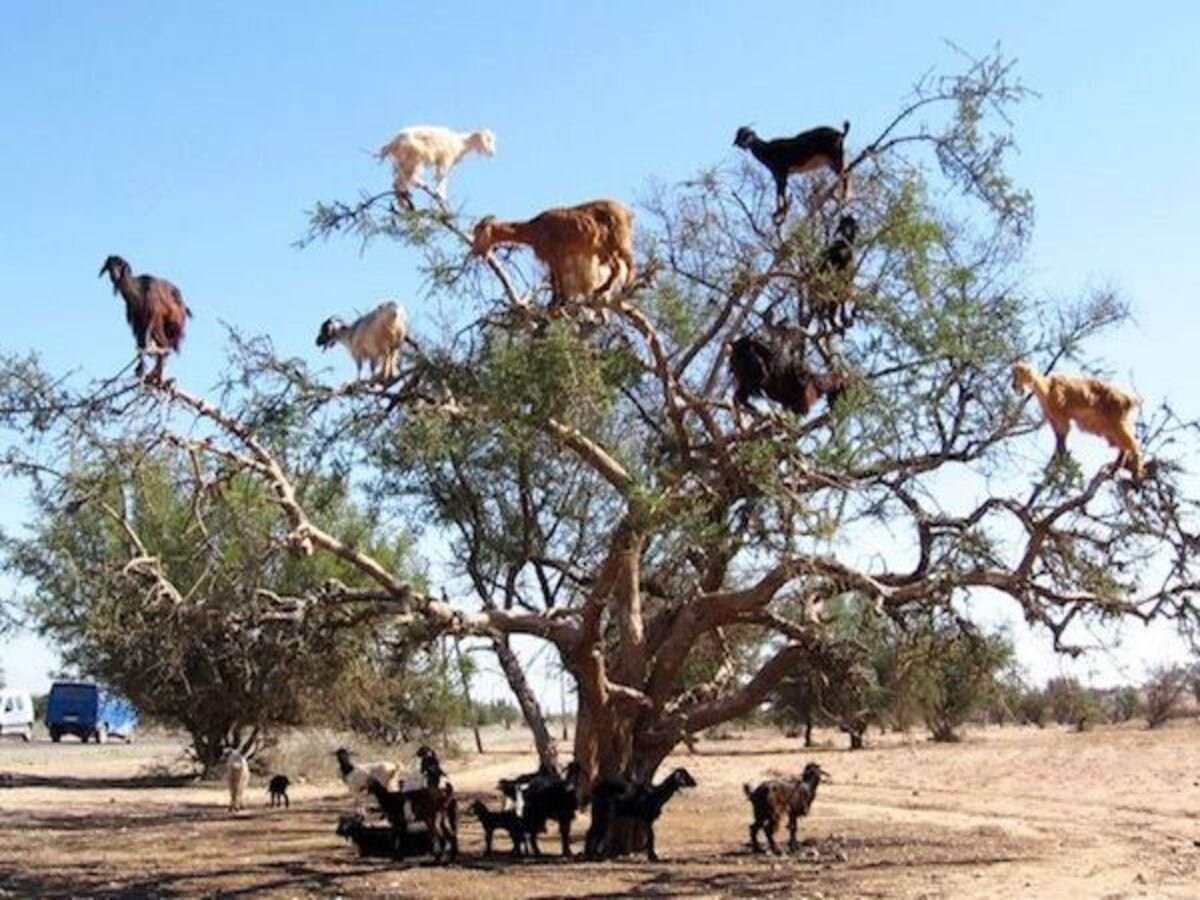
(357, 776)
(237, 777)
(431, 145)
(375, 338)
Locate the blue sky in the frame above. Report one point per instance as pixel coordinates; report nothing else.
(190, 138)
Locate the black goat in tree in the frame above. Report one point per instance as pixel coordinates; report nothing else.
(816, 148)
(615, 801)
(154, 309)
(835, 274)
(772, 363)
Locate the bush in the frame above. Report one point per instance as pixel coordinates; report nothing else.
(1164, 689)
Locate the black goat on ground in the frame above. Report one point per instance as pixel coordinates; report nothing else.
(775, 800)
(554, 798)
(378, 840)
(154, 309)
(511, 789)
(505, 819)
(772, 363)
(277, 787)
(431, 768)
(812, 149)
(614, 800)
(434, 807)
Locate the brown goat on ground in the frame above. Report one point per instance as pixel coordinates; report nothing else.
(1093, 404)
(154, 309)
(587, 248)
(775, 800)
(435, 807)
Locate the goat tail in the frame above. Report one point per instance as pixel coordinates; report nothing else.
(749, 791)
(845, 127)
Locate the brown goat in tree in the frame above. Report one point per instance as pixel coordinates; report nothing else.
(1093, 404)
(154, 309)
(587, 248)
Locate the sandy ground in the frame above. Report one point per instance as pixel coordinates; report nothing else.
(1007, 813)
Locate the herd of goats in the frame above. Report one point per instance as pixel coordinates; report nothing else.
(588, 254)
(421, 809)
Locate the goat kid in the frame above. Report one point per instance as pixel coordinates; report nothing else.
(773, 801)
(816, 148)
(506, 819)
(155, 311)
(277, 787)
(375, 338)
(1096, 406)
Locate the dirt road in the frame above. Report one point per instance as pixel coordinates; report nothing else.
(1008, 813)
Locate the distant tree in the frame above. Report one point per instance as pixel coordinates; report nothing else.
(957, 674)
(1164, 689)
(1125, 704)
(1070, 703)
(1033, 707)
(169, 590)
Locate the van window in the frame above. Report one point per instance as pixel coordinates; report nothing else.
(9, 704)
(20, 703)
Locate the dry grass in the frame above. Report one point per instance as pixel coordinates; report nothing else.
(1008, 812)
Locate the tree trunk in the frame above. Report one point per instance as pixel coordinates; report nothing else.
(547, 749)
(808, 730)
(466, 689)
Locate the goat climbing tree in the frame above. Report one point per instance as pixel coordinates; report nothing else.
(594, 489)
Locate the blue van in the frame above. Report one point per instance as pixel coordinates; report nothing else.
(88, 711)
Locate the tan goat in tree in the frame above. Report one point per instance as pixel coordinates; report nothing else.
(587, 248)
(1093, 404)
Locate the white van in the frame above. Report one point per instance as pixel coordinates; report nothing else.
(16, 714)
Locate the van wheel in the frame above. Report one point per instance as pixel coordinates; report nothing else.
(55, 735)
(27, 735)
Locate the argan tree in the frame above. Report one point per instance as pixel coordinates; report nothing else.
(591, 483)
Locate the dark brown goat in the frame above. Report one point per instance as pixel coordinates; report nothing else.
(435, 807)
(772, 363)
(773, 801)
(154, 309)
(812, 149)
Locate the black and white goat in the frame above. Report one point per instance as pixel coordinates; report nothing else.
(375, 339)
(816, 148)
(772, 363)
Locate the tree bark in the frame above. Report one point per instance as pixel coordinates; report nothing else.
(547, 748)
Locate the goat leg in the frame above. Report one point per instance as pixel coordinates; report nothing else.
(650, 854)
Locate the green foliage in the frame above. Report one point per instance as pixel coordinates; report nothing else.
(957, 674)
(190, 632)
